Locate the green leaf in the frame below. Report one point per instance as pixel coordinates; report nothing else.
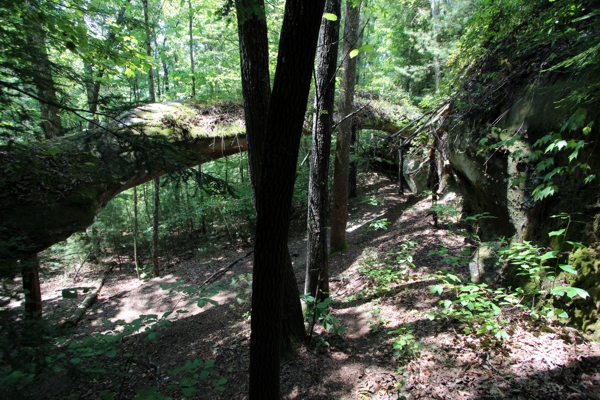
(330, 17)
(111, 353)
(570, 292)
(573, 155)
(568, 268)
(501, 335)
(557, 233)
(366, 48)
(436, 289)
(560, 144)
(188, 391)
(204, 374)
(497, 310)
(548, 255)
(354, 53)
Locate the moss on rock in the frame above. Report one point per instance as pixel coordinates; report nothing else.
(585, 313)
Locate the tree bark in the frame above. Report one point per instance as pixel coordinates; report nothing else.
(317, 266)
(156, 267)
(31, 286)
(339, 212)
(353, 168)
(401, 171)
(165, 67)
(434, 27)
(433, 179)
(191, 22)
(135, 232)
(297, 47)
(254, 56)
(256, 86)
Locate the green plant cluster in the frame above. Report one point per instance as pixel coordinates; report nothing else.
(394, 268)
(481, 308)
(101, 356)
(318, 312)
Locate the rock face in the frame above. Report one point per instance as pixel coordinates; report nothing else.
(483, 264)
(523, 147)
(415, 174)
(52, 189)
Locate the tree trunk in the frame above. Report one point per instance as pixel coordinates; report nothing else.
(339, 212)
(191, 21)
(297, 49)
(156, 267)
(92, 86)
(317, 266)
(31, 286)
(254, 56)
(165, 67)
(434, 27)
(135, 231)
(401, 171)
(44, 84)
(256, 87)
(151, 90)
(353, 171)
(433, 179)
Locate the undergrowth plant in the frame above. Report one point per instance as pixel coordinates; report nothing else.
(480, 307)
(376, 320)
(542, 268)
(379, 224)
(382, 272)
(475, 305)
(405, 345)
(102, 355)
(318, 312)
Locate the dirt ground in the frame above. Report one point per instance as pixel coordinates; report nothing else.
(538, 361)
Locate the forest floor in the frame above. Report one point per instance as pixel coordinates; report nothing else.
(539, 360)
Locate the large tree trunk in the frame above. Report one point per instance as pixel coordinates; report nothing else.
(256, 87)
(297, 49)
(339, 209)
(254, 56)
(317, 266)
